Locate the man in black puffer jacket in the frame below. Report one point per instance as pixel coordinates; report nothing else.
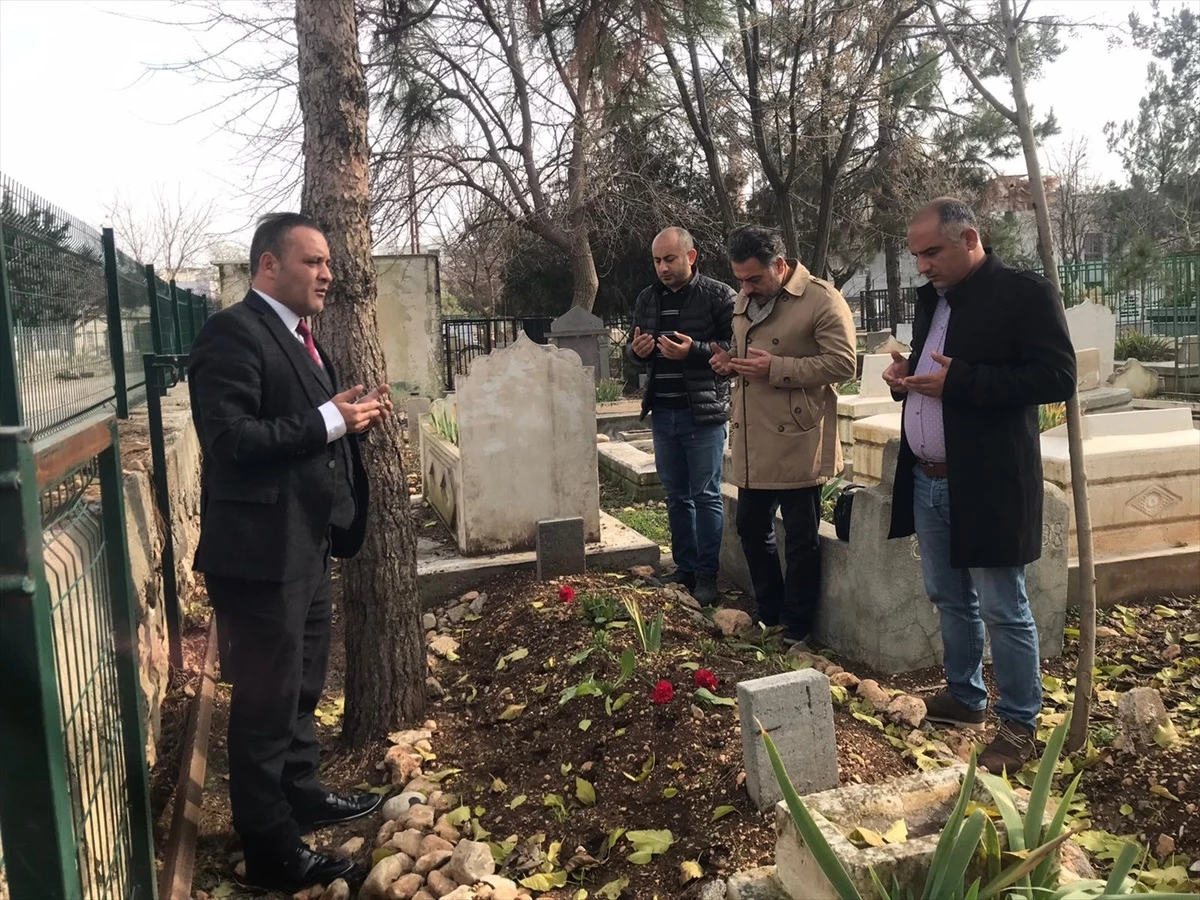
(675, 322)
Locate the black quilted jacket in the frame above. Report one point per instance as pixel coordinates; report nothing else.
(706, 316)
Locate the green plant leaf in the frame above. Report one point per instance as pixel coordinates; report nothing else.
(934, 880)
(459, 816)
(709, 697)
(621, 701)
(585, 724)
(670, 792)
(1040, 793)
(721, 812)
(443, 774)
(628, 661)
(827, 860)
(517, 801)
(580, 656)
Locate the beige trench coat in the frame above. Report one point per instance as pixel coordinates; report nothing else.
(783, 429)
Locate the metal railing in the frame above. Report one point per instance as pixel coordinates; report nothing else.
(82, 314)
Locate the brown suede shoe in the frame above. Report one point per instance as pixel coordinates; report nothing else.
(944, 709)
(1010, 749)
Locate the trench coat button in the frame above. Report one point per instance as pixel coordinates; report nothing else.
(332, 464)
(745, 382)
(781, 428)
(737, 424)
(797, 409)
(787, 378)
(774, 340)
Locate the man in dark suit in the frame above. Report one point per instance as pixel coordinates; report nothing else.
(990, 344)
(283, 490)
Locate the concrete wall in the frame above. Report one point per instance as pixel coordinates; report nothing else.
(145, 539)
(878, 581)
(410, 322)
(408, 312)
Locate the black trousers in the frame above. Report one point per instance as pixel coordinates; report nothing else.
(276, 637)
(791, 600)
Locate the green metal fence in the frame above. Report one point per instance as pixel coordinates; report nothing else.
(83, 314)
(74, 325)
(74, 795)
(1160, 297)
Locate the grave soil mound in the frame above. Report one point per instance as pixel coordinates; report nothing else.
(675, 765)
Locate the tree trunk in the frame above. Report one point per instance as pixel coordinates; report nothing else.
(584, 280)
(891, 266)
(1083, 519)
(786, 217)
(385, 653)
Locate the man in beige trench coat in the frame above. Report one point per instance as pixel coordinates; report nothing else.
(794, 339)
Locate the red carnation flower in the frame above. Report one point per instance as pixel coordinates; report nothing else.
(663, 692)
(566, 593)
(705, 679)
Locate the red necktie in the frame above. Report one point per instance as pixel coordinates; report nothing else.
(305, 332)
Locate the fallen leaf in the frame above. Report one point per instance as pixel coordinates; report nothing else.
(647, 768)
(866, 836)
(668, 793)
(498, 786)
(460, 816)
(585, 724)
(689, 870)
(897, 833)
(1160, 791)
(584, 792)
(517, 801)
(512, 711)
(721, 812)
(545, 881)
(612, 890)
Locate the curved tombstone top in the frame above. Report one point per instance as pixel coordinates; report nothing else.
(577, 321)
(522, 375)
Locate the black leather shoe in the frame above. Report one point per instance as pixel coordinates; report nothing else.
(295, 870)
(336, 809)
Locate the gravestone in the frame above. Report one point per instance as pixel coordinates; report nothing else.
(1094, 325)
(1136, 378)
(560, 548)
(526, 448)
(1087, 369)
(796, 710)
(579, 330)
(872, 384)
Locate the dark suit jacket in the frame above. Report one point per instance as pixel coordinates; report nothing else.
(267, 477)
(1010, 352)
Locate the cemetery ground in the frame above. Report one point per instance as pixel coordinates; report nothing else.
(552, 739)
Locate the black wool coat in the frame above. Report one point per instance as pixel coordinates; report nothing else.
(1010, 352)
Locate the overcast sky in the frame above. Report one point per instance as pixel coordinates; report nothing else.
(81, 120)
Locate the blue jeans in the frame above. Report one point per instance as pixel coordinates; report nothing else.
(689, 458)
(967, 599)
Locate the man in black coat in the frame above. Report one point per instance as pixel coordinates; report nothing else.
(282, 490)
(675, 323)
(990, 344)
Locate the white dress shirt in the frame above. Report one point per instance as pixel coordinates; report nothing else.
(335, 425)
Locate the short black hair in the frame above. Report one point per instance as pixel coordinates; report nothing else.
(272, 230)
(954, 216)
(755, 242)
